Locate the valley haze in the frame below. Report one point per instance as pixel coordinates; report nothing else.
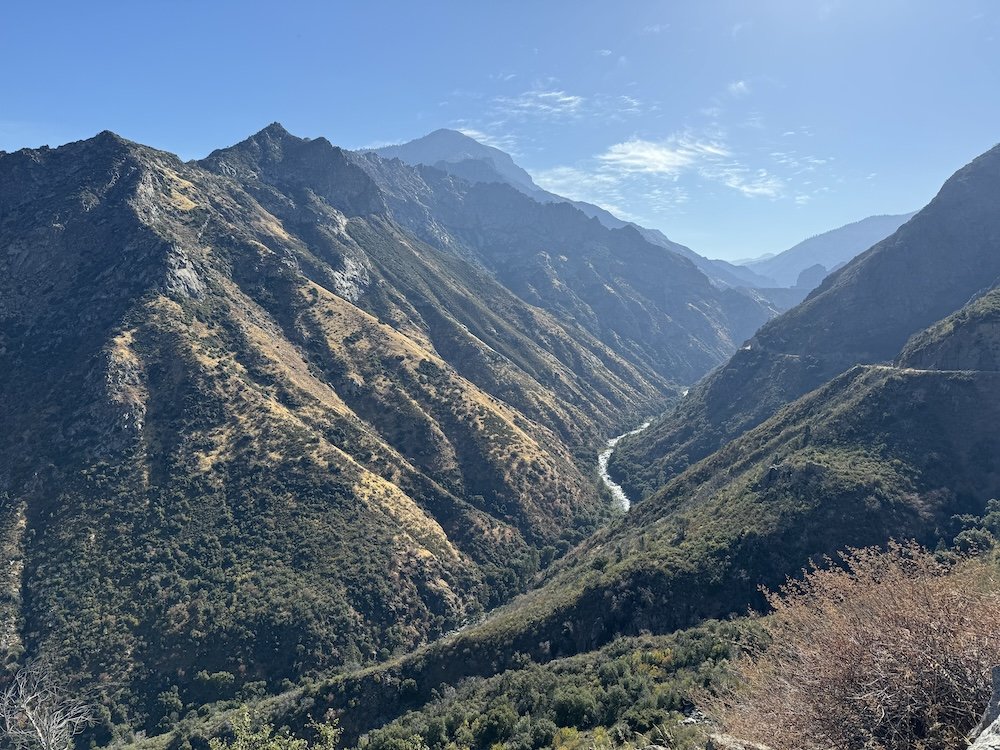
(541, 377)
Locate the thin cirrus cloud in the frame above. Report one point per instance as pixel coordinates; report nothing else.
(710, 159)
(603, 188)
(506, 143)
(663, 171)
(667, 158)
(506, 115)
(753, 183)
(650, 167)
(613, 192)
(546, 103)
(540, 102)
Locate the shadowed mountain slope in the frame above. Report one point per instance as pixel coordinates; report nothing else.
(864, 313)
(966, 340)
(253, 427)
(458, 154)
(289, 410)
(637, 298)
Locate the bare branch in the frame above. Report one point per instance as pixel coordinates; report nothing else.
(38, 713)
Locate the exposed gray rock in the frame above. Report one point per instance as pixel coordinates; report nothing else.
(728, 742)
(987, 733)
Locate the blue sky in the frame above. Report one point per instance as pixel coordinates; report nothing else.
(736, 127)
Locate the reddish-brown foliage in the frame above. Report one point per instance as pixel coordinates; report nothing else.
(892, 650)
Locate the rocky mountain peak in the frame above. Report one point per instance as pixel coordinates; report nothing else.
(275, 157)
(449, 147)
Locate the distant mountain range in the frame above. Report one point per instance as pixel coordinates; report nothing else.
(458, 154)
(861, 314)
(782, 279)
(829, 251)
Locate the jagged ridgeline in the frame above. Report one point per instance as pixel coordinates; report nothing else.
(291, 409)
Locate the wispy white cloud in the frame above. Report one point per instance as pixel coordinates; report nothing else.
(732, 151)
(668, 157)
(739, 28)
(752, 183)
(656, 28)
(605, 52)
(594, 186)
(615, 192)
(503, 142)
(554, 104)
(738, 88)
(628, 105)
(664, 172)
(796, 163)
(540, 102)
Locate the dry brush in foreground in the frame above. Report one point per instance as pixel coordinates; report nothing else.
(890, 650)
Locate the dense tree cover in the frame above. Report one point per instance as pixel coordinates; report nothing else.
(245, 734)
(879, 453)
(627, 690)
(243, 448)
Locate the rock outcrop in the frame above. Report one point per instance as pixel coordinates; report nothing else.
(987, 734)
(728, 742)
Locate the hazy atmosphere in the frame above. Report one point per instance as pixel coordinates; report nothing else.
(500, 375)
(786, 117)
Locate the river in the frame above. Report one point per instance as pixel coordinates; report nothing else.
(602, 467)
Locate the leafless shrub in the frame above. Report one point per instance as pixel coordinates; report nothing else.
(891, 651)
(37, 713)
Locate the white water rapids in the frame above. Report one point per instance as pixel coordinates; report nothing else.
(602, 467)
